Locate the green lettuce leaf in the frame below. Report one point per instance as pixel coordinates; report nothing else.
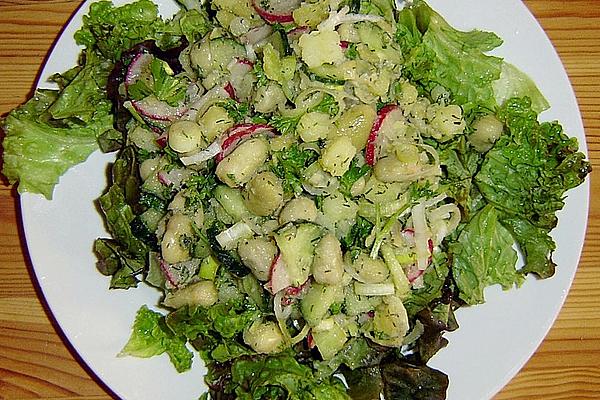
(84, 96)
(281, 376)
(37, 153)
(531, 166)
(405, 381)
(151, 337)
(535, 243)
(482, 256)
(515, 83)
(110, 30)
(438, 54)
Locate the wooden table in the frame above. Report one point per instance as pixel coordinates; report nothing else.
(36, 364)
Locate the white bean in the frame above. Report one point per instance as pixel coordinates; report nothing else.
(487, 130)
(258, 254)
(214, 122)
(328, 264)
(263, 194)
(338, 155)
(313, 126)
(370, 270)
(173, 251)
(185, 136)
(298, 209)
(203, 293)
(264, 337)
(238, 167)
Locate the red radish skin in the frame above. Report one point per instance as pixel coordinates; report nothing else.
(279, 278)
(236, 134)
(140, 61)
(164, 267)
(414, 275)
(156, 110)
(310, 342)
(271, 16)
(344, 44)
(371, 150)
(164, 179)
(245, 61)
(163, 140)
(297, 32)
(230, 90)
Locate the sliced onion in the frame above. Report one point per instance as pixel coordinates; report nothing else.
(421, 236)
(230, 236)
(301, 335)
(210, 152)
(280, 278)
(199, 105)
(342, 17)
(374, 289)
(281, 318)
(255, 35)
(166, 270)
(156, 110)
(235, 135)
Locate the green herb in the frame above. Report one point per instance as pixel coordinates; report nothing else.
(165, 87)
(259, 72)
(354, 173)
(285, 125)
(352, 52)
(236, 110)
(327, 105)
(355, 240)
(289, 165)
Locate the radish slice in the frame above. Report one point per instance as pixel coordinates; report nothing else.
(163, 139)
(310, 342)
(371, 150)
(344, 44)
(230, 90)
(277, 11)
(246, 62)
(295, 33)
(137, 67)
(255, 35)
(236, 134)
(413, 274)
(280, 279)
(157, 111)
(166, 270)
(239, 69)
(164, 178)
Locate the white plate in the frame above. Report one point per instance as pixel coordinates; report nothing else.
(494, 340)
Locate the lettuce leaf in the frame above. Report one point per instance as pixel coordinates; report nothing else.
(438, 54)
(151, 337)
(38, 150)
(281, 376)
(531, 166)
(482, 256)
(111, 30)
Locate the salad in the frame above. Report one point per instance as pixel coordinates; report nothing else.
(315, 187)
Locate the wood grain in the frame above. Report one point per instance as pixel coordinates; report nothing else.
(35, 363)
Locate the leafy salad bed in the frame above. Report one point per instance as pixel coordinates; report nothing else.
(315, 187)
